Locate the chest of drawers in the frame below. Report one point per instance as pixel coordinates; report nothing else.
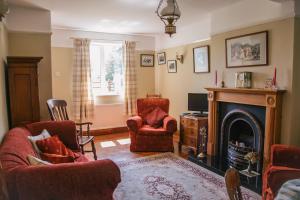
(190, 131)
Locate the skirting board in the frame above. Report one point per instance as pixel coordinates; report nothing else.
(98, 132)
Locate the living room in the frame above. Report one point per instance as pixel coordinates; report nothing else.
(157, 99)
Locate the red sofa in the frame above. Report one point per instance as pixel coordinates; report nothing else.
(80, 180)
(284, 166)
(144, 137)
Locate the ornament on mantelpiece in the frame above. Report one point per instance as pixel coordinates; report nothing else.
(243, 79)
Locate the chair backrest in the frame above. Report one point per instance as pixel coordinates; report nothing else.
(153, 96)
(145, 105)
(233, 184)
(57, 109)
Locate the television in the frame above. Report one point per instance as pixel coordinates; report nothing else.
(197, 102)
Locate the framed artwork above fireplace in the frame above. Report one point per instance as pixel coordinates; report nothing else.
(247, 50)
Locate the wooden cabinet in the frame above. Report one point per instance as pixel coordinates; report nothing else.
(23, 95)
(190, 126)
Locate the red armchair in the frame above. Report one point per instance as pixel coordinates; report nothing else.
(285, 165)
(80, 180)
(146, 138)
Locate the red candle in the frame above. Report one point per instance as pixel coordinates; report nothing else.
(275, 77)
(216, 78)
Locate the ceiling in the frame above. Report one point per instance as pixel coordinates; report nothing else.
(119, 16)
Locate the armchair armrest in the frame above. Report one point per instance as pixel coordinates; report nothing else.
(66, 131)
(134, 123)
(281, 155)
(96, 180)
(275, 177)
(170, 124)
(83, 123)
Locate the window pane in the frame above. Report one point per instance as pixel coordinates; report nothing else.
(107, 68)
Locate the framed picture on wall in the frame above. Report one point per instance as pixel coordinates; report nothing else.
(161, 58)
(247, 50)
(172, 66)
(201, 59)
(147, 60)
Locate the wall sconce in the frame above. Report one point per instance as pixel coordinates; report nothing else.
(179, 58)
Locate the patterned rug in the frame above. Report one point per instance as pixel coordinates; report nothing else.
(169, 177)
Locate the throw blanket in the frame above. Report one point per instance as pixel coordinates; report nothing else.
(290, 190)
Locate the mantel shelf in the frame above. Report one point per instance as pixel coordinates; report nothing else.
(246, 90)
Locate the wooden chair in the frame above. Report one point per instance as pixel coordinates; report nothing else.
(233, 184)
(58, 112)
(153, 96)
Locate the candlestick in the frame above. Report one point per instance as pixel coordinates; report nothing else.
(216, 78)
(274, 82)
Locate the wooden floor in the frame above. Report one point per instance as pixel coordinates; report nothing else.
(116, 147)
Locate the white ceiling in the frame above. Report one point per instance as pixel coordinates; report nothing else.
(119, 16)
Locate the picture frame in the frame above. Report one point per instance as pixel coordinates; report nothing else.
(201, 59)
(172, 66)
(147, 60)
(161, 58)
(247, 50)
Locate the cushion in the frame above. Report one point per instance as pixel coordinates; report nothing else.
(36, 161)
(54, 145)
(56, 159)
(45, 134)
(156, 117)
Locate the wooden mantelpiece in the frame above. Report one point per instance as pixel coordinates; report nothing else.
(271, 99)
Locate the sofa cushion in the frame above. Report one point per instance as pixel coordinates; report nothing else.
(53, 145)
(56, 159)
(36, 161)
(45, 134)
(155, 118)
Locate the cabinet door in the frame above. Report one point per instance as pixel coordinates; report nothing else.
(23, 94)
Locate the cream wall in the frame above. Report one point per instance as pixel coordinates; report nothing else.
(175, 86)
(294, 138)
(109, 110)
(3, 106)
(35, 44)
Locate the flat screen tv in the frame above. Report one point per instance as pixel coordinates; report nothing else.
(197, 102)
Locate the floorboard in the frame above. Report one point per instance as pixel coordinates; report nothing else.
(116, 147)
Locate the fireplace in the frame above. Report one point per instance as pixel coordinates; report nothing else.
(252, 102)
(241, 121)
(241, 132)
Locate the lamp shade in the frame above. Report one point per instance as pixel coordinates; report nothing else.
(3, 7)
(171, 10)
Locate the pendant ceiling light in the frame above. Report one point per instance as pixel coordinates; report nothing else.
(169, 15)
(3, 8)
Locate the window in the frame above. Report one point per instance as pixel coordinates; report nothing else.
(107, 68)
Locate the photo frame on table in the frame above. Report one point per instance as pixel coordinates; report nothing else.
(147, 60)
(201, 59)
(247, 50)
(172, 66)
(161, 58)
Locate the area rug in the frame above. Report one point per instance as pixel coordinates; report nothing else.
(169, 177)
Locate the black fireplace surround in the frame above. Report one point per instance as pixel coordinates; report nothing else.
(241, 130)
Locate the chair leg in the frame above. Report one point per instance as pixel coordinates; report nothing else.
(82, 150)
(94, 149)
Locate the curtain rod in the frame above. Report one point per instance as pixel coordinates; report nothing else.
(73, 38)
